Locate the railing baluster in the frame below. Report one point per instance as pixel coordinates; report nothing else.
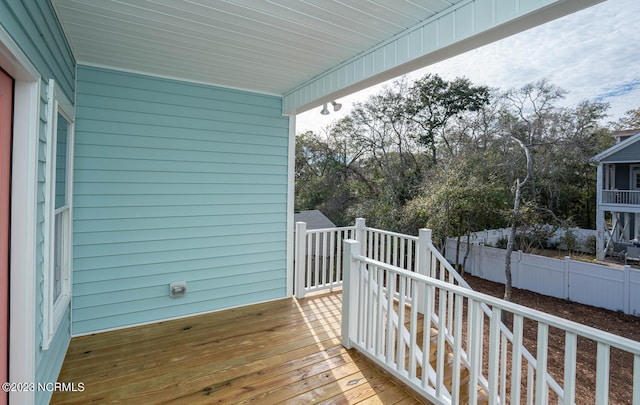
(602, 374)
(361, 303)
(457, 349)
(542, 393)
(388, 241)
(368, 322)
(503, 368)
(391, 286)
(401, 311)
(570, 352)
(309, 282)
(450, 305)
(429, 293)
(516, 359)
(316, 251)
(332, 249)
(442, 318)
(340, 270)
(410, 259)
(494, 355)
(636, 379)
(475, 351)
(380, 313)
(413, 335)
(325, 253)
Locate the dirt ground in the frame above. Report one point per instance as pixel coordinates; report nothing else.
(621, 370)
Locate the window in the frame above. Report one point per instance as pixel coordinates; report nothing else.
(58, 214)
(635, 177)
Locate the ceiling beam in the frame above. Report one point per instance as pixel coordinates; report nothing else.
(462, 27)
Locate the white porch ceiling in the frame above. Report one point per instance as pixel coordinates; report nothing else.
(282, 47)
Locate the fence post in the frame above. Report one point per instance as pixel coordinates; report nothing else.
(350, 279)
(361, 235)
(300, 258)
(566, 288)
(626, 285)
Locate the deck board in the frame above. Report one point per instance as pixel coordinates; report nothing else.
(285, 351)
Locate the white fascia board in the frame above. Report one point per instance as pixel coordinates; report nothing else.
(462, 27)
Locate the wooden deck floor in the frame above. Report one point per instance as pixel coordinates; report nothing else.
(286, 351)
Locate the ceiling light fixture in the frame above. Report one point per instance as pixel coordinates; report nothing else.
(336, 106)
(325, 110)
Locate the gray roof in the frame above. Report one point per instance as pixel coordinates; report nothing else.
(314, 219)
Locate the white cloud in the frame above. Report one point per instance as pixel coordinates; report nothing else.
(593, 54)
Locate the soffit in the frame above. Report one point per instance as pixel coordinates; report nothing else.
(263, 46)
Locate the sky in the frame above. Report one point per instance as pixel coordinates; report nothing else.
(594, 54)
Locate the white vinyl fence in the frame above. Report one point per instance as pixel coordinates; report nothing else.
(617, 289)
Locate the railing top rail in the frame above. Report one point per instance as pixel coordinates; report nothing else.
(560, 323)
(621, 191)
(399, 235)
(461, 281)
(342, 228)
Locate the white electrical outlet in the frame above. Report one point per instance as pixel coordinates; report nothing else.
(177, 288)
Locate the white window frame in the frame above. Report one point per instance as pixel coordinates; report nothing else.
(54, 307)
(633, 177)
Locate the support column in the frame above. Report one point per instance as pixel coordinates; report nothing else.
(600, 224)
(300, 258)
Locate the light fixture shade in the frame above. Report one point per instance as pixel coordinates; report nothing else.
(325, 110)
(336, 106)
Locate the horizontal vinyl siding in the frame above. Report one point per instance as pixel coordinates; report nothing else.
(34, 27)
(629, 154)
(175, 182)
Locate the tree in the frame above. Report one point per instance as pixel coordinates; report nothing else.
(391, 159)
(456, 202)
(326, 172)
(515, 218)
(631, 120)
(433, 101)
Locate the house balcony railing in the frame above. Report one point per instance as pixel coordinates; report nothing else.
(622, 197)
(393, 283)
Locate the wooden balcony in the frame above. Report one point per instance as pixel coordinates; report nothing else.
(287, 351)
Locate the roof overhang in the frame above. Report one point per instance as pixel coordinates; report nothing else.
(616, 148)
(305, 52)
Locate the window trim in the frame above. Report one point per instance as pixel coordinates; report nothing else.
(54, 309)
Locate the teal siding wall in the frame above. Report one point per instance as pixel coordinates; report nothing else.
(35, 28)
(175, 182)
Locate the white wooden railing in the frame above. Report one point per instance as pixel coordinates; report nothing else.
(626, 197)
(318, 267)
(318, 257)
(374, 322)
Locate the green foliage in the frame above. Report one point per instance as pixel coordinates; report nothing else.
(454, 202)
(380, 161)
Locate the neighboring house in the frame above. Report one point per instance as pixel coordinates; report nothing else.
(618, 201)
(153, 142)
(314, 219)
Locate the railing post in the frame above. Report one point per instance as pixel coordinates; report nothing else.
(350, 279)
(300, 258)
(361, 235)
(423, 265)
